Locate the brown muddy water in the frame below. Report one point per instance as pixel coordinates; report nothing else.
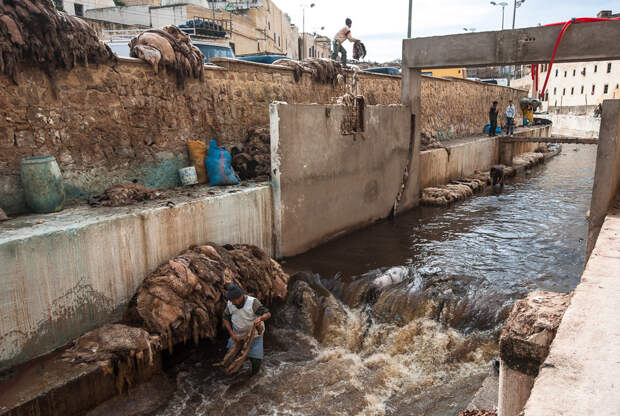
(402, 318)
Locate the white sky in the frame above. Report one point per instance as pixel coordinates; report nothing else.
(382, 25)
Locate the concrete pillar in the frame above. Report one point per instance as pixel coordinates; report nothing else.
(524, 346)
(412, 98)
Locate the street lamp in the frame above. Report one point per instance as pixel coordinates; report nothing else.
(303, 28)
(503, 4)
(518, 3)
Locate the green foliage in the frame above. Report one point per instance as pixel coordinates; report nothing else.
(119, 3)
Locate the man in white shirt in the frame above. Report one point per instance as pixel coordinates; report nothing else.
(342, 35)
(511, 112)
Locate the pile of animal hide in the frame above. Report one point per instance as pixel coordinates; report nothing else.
(359, 51)
(171, 49)
(125, 194)
(458, 190)
(252, 160)
(322, 70)
(34, 33)
(428, 142)
(478, 413)
(238, 352)
(528, 159)
(184, 298)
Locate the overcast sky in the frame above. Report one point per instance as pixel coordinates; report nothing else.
(382, 25)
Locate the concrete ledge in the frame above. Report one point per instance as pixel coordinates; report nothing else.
(580, 374)
(66, 273)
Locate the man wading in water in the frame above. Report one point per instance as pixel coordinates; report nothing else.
(241, 313)
(342, 35)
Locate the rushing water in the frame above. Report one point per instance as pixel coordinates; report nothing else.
(419, 341)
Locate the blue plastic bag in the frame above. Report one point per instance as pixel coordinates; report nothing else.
(218, 166)
(487, 127)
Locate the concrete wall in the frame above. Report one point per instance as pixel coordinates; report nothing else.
(573, 125)
(607, 174)
(438, 166)
(112, 124)
(326, 183)
(130, 15)
(79, 268)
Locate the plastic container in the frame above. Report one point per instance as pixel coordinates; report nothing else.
(188, 176)
(42, 181)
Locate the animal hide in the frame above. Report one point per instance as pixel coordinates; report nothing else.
(125, 194)
(359, 51)
(35, 33)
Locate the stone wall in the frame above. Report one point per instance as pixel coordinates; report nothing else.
(111, 124)
(456, 107)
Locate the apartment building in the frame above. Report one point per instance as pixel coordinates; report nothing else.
(79, 7)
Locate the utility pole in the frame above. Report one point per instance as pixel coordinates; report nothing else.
(410, 17)
(303, 29)
(517, 4)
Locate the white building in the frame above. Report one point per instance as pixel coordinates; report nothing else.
(79, 7)
(575, 87)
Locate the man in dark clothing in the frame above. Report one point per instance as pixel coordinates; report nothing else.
(241, 313)
(493, 118)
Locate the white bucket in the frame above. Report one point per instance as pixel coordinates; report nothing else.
(188, 176)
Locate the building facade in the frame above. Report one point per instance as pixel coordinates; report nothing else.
(79, 7)
(574, 87)
(256, 26)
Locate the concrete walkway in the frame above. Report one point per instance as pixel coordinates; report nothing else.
(581, 375)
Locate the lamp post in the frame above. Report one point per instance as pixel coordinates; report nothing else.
(503, 4)
(303, 30)
(410, 17)
(517, 4)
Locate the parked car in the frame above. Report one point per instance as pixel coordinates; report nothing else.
(387, 70)
(262, 59)
(209, 49)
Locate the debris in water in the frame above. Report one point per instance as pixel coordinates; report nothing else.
(169, 48)
(125, 194)
(34, 33)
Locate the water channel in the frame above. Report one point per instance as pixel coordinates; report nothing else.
(402, 318)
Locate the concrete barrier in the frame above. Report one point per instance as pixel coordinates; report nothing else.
(326, 183)
(607, 173)
(440, 166)
(573, 125)
(64, 274)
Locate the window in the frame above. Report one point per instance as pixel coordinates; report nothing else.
(595, 68)
(79, 9)
(258, 44)
(593, 89)
(547, 96)
(564, 91)
(582, 88)
(269, 25)
(557, 71)
(606, 89)
(555, 91)
(583, 72)
(609, 67)
(556, 103)
(565, 73)
(574, 72)
(279, 41)
(572, 91)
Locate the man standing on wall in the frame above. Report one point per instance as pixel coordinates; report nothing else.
(241, 314)
(493, 119)
(342, 35)
(511, 112)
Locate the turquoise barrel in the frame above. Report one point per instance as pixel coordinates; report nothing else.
(42, 182)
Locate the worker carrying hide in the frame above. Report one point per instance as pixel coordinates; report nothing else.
(243, 319)
(342, 35)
